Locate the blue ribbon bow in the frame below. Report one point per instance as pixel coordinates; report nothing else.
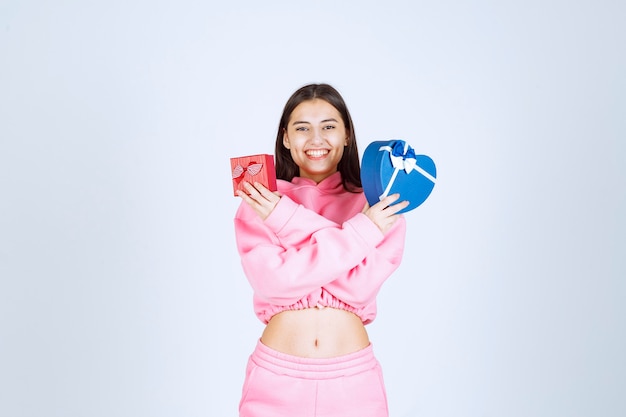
(401, 158)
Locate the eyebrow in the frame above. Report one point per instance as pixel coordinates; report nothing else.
(323, 121)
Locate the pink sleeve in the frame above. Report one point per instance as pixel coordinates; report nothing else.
(359, 286)
(296, 251)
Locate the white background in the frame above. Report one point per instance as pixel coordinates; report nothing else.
(121, 292)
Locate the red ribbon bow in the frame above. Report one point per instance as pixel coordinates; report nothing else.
(253, 168)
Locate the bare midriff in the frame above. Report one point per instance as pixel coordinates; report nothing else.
(315, 333)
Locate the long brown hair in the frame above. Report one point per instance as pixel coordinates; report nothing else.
(349, 166)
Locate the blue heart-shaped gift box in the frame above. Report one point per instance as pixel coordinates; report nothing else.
(390, 167)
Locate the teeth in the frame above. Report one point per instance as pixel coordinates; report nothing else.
(317, 152)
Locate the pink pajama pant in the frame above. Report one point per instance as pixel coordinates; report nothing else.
(278, 385)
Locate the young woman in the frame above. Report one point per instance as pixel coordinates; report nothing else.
(316, 255)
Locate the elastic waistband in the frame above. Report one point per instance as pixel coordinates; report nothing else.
(314, 368)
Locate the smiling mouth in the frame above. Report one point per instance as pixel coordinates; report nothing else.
(316, 153)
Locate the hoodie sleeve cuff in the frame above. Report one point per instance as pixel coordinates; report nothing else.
(282, 213)
(366, 229)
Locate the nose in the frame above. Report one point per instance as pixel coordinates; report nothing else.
(318, 135)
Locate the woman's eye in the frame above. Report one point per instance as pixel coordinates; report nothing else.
(301, 129)
(329, 127)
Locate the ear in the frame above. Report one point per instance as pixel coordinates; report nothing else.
(285, 139)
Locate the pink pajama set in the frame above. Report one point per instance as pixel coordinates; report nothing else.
(316, 249)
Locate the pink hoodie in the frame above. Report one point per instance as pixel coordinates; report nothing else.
(316, 248)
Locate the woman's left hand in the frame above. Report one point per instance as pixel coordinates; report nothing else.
(259, 198)
(384, 213)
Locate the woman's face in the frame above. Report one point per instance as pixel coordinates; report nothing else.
(316, 136)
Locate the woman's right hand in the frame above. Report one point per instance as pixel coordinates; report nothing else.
(383, 213)
(259, 198)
